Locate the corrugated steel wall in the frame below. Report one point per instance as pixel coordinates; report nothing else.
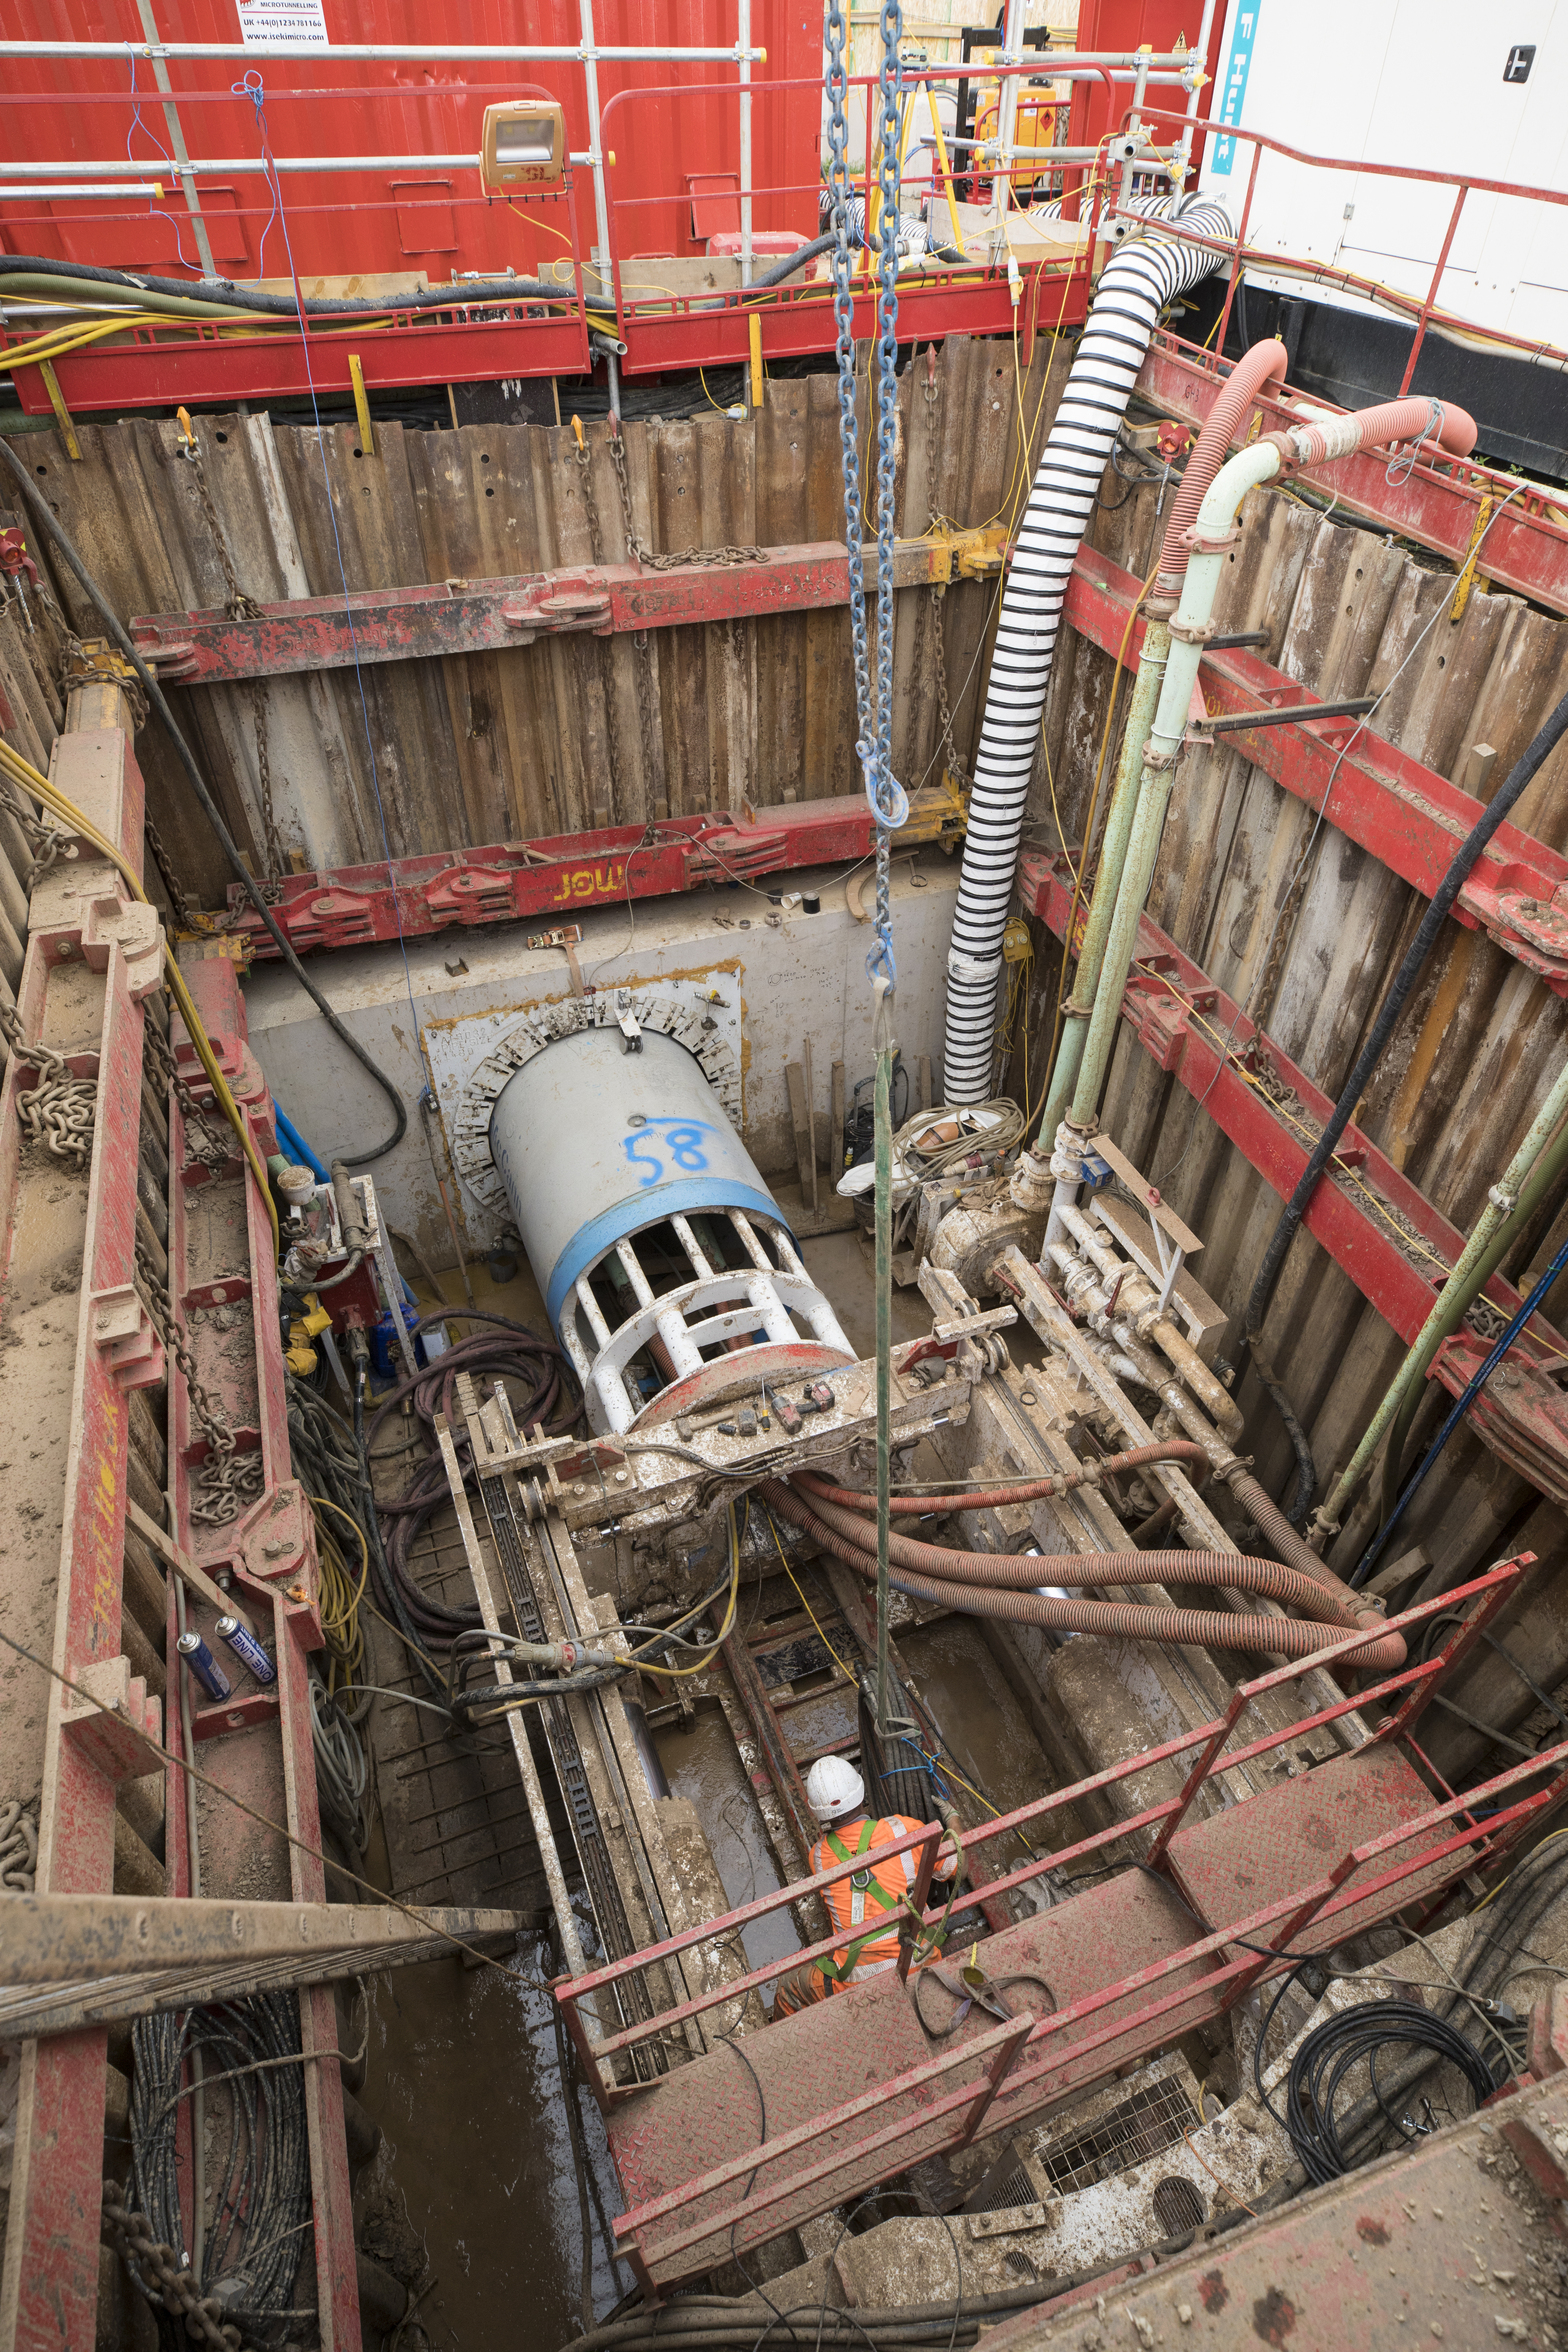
(1306, 931)
(567, 732)
(1300, 926)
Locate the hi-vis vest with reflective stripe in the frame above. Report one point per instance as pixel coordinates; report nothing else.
(872, 1894)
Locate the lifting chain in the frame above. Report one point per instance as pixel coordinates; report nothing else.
(585, 457)
(46, 839)
(874, 706)
(955, 764)
(207, 1144)
(228, 1480)
(184, 914)
(241, 608)
(58, 1112)
(637, 549)
(19, 1846)
(163, 2278)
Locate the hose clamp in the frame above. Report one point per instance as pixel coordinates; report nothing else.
(1207, 542)
(977, 970)
(1501, 1198)
(1195, 632)
(1153, 759)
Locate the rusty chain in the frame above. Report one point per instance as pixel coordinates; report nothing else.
(955, 767)
(46, 839)
(227, 1479)
(184, 914)
(207, 1144)
(652, 760)
(18, 1845)
(584, 459)
(163, 2277)
(241, 608)
(59, 1111)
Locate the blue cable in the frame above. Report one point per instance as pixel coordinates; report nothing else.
(1461, 1405)
(304, 1156)
(253, 88)
(155, 212)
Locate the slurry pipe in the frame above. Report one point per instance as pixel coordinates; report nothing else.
(1455, 1297)
(1264, 364)
(1030, 1490)
(1285, 1637)
(1312, 442)
(1142, 277)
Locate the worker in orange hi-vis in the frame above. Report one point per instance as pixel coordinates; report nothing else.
(872, 1899)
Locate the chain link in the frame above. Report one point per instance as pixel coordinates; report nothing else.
(241, 608)
(184, 912)
(227, 1479)
(874, 706)
(59, 1111)
(585, 457)
(207, 1144)
(46, 839)
(163, 2277)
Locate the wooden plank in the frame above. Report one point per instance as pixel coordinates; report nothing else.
(53, 1938)
(184, 1567)
(800, 1118)
(1206, 1319)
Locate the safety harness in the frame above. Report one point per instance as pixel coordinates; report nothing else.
(863, 1884)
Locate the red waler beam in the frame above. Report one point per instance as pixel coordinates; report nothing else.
(1444, 506)
(354, 906)
(1411, 818)
(1183, 1020)
(474, 616)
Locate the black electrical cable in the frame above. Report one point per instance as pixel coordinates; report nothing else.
(1524, 768)
(262, 2204)
(50, 524)
(242, 296)
(1326, 2059)
(1457, 1413)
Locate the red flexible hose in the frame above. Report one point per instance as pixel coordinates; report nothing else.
(841, 1534)
(984, 1498)
(1264, 364)
(1025, 1570)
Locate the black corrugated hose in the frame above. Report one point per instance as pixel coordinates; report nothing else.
(52, 527)
(1523, 770)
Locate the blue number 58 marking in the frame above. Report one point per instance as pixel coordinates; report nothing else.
(682, 1140)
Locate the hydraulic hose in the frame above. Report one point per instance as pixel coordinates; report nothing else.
(1142, 277)
(1355, 1085)
(213, 292)
(984, 1499)
(54, 530)
(1027, 1570)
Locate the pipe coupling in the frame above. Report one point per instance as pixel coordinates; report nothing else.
(1194, 632)
(1032, 1183)
(975, 970)
(1501, 1198)
(1155, 759)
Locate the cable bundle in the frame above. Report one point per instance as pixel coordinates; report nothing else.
(261, 2210)
(1334, 2052)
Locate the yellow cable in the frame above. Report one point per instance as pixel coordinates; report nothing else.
(54, 799)
(783, 1562)
(702, 1663)
(712, 401)
(1506, 1881)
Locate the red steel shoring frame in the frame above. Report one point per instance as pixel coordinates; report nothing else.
(50, 2287)
(1491, 1588)
(1154, 2023)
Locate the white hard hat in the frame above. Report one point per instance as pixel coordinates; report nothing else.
(834, 1787)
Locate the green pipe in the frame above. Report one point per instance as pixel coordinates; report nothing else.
(78, 293)
(1456, 1294)
(1451, 1313)
(1146, 684)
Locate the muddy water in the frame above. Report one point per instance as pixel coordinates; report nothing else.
(982, 1723)
(475, 2172)
(700, 1764)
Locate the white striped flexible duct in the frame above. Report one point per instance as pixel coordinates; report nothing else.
(1140, 278)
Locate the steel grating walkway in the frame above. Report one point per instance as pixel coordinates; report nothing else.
(910, 2094)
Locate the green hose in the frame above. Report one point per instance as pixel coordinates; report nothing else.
(1548, 1167)
(77, 293)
